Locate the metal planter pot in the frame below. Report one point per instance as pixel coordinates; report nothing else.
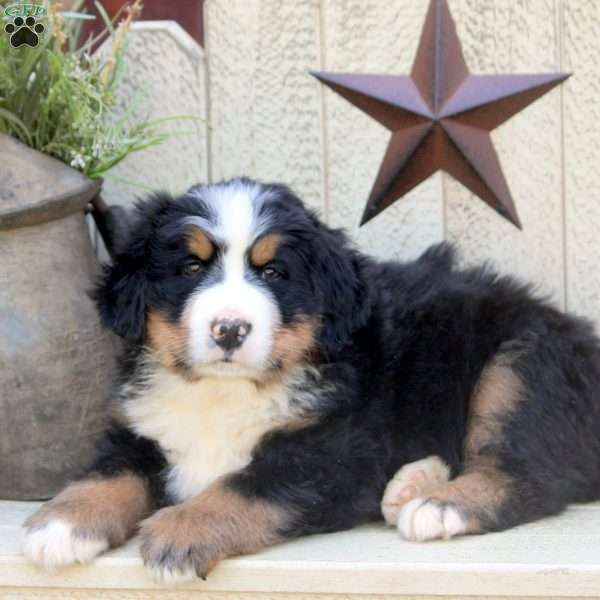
(56, 363)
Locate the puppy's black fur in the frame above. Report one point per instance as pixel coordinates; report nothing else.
(395, 367)
(403, 345)
(406, 378)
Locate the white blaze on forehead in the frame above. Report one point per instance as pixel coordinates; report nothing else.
(239, 224)
(235, 219)
(235, 223)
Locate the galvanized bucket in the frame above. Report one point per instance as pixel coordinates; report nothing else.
(56, 363)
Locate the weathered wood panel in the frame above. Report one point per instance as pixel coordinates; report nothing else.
(515, 37)
(580, 21)
(372, 37)
(264, 106)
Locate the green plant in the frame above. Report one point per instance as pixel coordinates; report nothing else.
(59, 97)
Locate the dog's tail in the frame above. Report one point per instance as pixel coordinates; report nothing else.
(440, 256)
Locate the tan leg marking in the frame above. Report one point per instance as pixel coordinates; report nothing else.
(187, 540)
(198, 244)
(85, 519)
(473, 499)
(479, 491)
(497, 394)
(265, 248)
(412, 480)
(456, 508)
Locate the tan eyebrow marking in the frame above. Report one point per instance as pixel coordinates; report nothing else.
(265, 248)
(198, 243)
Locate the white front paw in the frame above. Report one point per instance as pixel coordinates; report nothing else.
(424, 519)
(56, 544)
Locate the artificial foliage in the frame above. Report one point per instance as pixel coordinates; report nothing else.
(60, 96)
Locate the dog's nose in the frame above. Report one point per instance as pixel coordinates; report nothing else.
(229, 334)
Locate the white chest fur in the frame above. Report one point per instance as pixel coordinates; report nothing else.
(206, 428)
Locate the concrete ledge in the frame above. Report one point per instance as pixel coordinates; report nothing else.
(556, 557)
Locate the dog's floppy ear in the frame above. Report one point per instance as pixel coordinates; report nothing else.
(121, 299)
(122, 291)
(340, 284)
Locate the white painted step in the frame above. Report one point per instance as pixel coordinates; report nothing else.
(554, 557)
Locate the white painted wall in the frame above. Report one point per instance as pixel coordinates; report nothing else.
(166, 72)
(269, 119)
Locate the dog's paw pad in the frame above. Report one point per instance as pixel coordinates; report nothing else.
(56, 544)
(424, 519)
(412, 480)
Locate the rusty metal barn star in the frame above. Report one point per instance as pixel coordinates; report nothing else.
(440, 117)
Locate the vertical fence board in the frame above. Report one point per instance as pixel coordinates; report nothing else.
(581, 114)
(165, 75)
(264, 106)
(515, 37)
(373, 37)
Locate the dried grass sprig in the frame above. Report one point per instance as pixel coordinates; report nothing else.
(132, 12)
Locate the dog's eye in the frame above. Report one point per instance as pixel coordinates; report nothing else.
(270, 273)
(191, 268)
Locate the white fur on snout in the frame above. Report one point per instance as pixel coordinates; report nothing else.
(238, 223)
(56, 545)
(237, 296)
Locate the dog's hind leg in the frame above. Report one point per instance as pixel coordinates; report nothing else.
(511, 471)
(469, 504)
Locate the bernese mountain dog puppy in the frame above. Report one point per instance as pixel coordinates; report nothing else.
(278, 383)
